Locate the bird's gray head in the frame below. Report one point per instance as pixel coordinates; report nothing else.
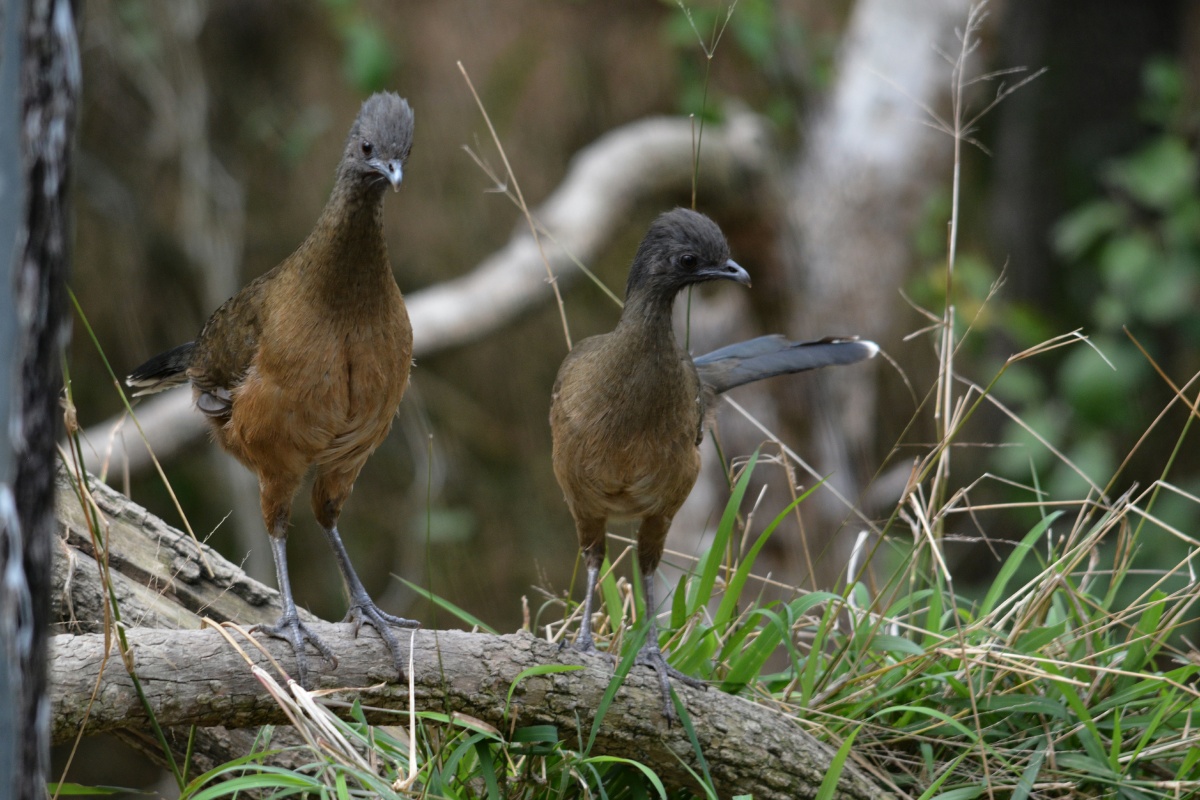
(682, 247)
(379, 141)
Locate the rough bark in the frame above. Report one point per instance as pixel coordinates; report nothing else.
(194, 677)
(37, 260)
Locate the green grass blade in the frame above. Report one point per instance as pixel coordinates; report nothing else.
(710, 562)
(1014, 561)
(733, 589)
(932, 713)
(64, 789)
(265, 778)
(618, 678)
(446, 605)
(833, 775)
(540, 669)
(749, 662)
(962, 793)
(488, 769)
(654, 780)
(1030, 774)
(1146, 630)
(685, 720)
(611, 595)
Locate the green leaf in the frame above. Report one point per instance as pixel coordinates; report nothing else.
(1087, 225)
(733, 590)
(613, 604)
(829, 784)
(679, 612)
(1129, 261)
(749, 662)
(932, 713)
(542, 734)
(368, 59)
(1035, 639)
(1013, 563)
(710, 562)
(442, 603)
(488, 768)
(1029, 775)
(618, 678)
(655, 781)
(887, 643)
(1089, 734)
(1170, 295)
(267, 778)
(1022, 704)
(1159, 174)
(1138, 656)
(540, 669)
(961, 793)
(1086, 765)
(79, 789)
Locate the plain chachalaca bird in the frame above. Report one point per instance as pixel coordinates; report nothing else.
(304, 368)
(629, 407)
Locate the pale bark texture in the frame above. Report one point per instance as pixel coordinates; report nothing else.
(194, 677)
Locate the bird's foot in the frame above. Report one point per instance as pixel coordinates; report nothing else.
(366, 612)
(651, 656)
(587, 646)
(296, 633)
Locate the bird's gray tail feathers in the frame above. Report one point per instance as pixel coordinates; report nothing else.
(163, 371)
(768, 356)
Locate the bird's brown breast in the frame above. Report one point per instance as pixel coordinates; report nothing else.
(325, 371)
(624, 429)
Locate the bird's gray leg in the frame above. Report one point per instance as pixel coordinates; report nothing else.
(362, 608)
(651, 655)
(651, 537)
(289, 627)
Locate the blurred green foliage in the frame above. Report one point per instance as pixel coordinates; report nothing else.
(1130, 261)
(1132, 256)
(367, 58)
(772, 39)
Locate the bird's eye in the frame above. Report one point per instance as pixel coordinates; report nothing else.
(367, 148)
(688, 260)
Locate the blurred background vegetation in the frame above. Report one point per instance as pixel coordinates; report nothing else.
(210, 130)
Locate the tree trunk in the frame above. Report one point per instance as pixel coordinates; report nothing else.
(39, 64)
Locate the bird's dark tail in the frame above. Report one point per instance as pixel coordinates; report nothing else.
(768, 356)
(163, 371)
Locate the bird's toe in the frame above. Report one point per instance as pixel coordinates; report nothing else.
(368, 613)
(650, 656)
(296, 633)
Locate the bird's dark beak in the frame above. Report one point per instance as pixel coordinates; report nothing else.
(392, 170)
(729, 271)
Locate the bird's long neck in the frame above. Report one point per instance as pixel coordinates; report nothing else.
(646, 321)
(346, 248)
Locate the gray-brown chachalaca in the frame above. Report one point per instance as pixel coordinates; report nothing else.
(304, 368)
(629, 407)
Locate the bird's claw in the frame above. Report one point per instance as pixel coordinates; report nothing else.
(296, 633)
(588, 647)
(650, 656)
(371, 614)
